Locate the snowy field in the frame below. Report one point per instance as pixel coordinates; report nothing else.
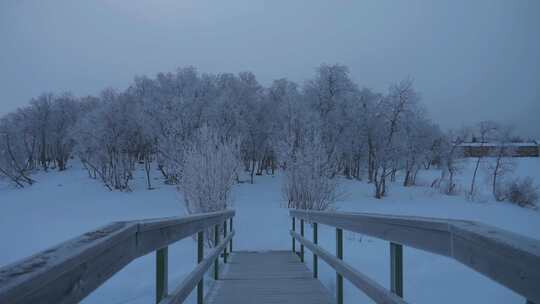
(65, 204)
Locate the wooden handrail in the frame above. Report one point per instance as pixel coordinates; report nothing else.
(68, 272)
(371, 288)
(185, 288)
(508, 258)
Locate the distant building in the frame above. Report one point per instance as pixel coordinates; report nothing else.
(521, 149)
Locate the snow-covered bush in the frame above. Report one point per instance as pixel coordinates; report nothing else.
(309, 182)
(209, 172)
(522, 192)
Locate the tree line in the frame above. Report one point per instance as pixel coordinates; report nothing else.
(182, 121)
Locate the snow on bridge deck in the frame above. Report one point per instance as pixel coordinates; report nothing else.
(268, 277)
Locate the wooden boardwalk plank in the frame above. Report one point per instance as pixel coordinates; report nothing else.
(268, 277)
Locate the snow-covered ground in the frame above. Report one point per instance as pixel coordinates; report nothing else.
(429, 278)
(65, 204)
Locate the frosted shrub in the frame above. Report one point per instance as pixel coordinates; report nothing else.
(210, 169)
(308, 182)
(522, 192)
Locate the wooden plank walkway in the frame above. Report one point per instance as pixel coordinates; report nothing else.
(268, 277)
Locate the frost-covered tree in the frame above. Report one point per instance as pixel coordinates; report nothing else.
(17, 149)
(391, 111)
(371, 124)
(65, 112)
(173, 106)
(330, 94)
(252, 122)
(418, 137)
(41, 116)
(36, 136)
(105, 140)
(485, 131)
(501, 162)
(450, 154)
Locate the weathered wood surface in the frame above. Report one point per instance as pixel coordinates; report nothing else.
(67, 273)
(372, 289)
(508, 258)
(158, 233)
(189, 283)
(268, 277)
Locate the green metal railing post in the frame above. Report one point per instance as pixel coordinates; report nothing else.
(230, 229)
(200, 257)
(302, 244)
(315, 257)
(293, 241)
(216, 243)
(161, 273)
(225, 236)
(339, 255)
(396, 269)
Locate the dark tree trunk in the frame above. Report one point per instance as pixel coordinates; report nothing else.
(471, 191)
(147, 168)
(252, 170)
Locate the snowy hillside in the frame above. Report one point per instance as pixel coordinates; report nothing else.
(65, 204)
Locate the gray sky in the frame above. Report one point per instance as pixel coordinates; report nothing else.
(471, 60)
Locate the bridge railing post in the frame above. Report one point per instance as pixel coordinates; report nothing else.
(216, 244)
(161, 273)
(200, 257)
(315, 258)
(225, 236)
(230, 229)
(302, 244)
(339, 255)
(396, 269)
(293, 241)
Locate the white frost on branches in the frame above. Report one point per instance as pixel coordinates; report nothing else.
(210, 169)
(309, 182)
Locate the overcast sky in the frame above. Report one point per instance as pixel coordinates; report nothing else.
(471, 60)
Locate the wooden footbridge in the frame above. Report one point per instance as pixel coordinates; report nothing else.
(70, 271)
